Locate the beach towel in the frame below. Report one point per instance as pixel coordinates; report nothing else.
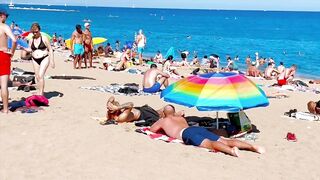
(294, 114)
(117, 89)
(158, 136)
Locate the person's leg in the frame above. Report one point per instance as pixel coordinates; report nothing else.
(4, 92)
(241, 145)
(40, 72)
(162, 81)
(120, 65)
(90, 59)
(80, 61)
(85, 59)
(219, 146)
(75, 60)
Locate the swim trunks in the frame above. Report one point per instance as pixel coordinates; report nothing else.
(78, 49)
(195, 135)
(5, 63)
(282, 82)
(140, 49)
(88, 46)
(148, 114)
(155, 88)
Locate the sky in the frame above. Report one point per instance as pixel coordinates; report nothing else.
(287, 5)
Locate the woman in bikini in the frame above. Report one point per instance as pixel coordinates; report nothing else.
(42, 55)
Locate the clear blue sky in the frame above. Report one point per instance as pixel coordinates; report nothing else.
(300, 5)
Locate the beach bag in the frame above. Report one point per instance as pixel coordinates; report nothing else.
(307, 116)
(240, 120)
(36, 100)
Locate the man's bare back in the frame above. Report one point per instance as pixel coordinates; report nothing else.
(77, 38)
(150, 77)
(172, 127)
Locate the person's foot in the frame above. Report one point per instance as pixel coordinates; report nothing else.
(5, 111)
(259, 149)
(235, 152)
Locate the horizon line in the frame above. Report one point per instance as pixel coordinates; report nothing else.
(173, 8)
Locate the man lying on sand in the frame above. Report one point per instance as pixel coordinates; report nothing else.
(151, 82)
(314, 107)
(128, 113)
(177, 127)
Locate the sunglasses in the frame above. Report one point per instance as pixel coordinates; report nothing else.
(35, 32)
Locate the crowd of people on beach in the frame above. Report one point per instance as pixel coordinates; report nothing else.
(160, 70)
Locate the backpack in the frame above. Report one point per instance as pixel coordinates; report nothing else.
(240, 120)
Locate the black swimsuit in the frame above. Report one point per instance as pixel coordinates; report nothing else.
(147, 113)
(41, 46)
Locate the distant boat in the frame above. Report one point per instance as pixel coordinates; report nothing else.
(11, 5)
(65, 4)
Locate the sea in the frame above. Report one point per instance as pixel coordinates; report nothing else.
(289, 37)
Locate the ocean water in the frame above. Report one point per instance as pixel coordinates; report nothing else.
(291, 37)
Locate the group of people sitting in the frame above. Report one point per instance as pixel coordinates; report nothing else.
(175, 125)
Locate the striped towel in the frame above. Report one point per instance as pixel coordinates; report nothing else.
(158, 136)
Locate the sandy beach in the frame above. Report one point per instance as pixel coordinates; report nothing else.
(64, 142)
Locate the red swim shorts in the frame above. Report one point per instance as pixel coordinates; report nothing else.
(5, 63)
(282, 82)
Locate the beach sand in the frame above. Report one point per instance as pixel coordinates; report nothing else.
(63, 142)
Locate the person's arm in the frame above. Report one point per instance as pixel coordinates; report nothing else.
(157, 126)
(51, 58)
(12, 37)
(71, 42)
(163, 74)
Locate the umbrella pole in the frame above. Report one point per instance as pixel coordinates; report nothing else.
(217, 123)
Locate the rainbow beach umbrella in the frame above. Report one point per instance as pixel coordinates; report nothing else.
(229, 92)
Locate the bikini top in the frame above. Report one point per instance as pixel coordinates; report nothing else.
(41, 46)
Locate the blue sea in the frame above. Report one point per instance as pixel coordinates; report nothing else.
(291, 37)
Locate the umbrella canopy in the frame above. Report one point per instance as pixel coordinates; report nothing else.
(30, 35)
(95, 41)
(98, 40)
(17, 32)
(230, 92)
(171, 52)
(20, 42)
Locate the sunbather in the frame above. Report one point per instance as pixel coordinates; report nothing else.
(128, 113)
(177, 127)
(151, 82)
(314, 107)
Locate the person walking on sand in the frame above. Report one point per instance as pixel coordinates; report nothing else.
(151, 83)
(141, 41)
(77, 46)
(88, 45)
(5, 58)
(177, 127)
(42, 55)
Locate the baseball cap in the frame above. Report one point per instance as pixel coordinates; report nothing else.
(86, 24)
